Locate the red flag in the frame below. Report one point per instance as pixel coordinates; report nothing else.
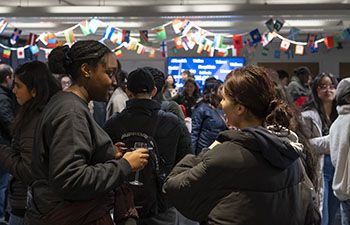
(329, 42)
(178, 42)
(237, 41)
(32, 39)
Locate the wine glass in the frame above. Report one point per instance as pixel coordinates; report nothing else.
(137, 174)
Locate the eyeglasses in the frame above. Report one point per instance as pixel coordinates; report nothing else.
(324, 87)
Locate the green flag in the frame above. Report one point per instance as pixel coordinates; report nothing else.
(161, 34)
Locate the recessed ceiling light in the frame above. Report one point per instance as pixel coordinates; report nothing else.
(34, 25)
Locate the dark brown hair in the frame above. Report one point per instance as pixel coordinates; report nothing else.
(252, 87)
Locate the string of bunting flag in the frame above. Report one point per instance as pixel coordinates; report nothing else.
(185, 34)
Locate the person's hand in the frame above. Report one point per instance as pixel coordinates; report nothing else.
(137, 159)
(120, 149)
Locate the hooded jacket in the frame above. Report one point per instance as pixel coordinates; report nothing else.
(251, 177)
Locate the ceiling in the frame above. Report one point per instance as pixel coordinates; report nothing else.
(219, 16)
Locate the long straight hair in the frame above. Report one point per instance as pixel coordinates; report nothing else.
(36, 76)
(316, 103)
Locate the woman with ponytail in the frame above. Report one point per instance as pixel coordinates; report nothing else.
(251, 174)
(75, 165)
(34, 86)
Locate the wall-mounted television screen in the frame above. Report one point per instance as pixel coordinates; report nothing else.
(202, 67)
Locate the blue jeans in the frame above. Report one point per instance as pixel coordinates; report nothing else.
(15, 220)
(345, 212)
(330, 204)
(4, 179)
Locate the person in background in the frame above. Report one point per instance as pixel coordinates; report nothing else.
(66, 81)
(75, 165)
(283, 76)
(339, 134)
(247, 173)
(7, 115)
(207, 117)
(170, 89)
(142, 114)
(117, 102)
(318, 115)
(189, 96)
(34, 86)
(299, 88)
(185, 75)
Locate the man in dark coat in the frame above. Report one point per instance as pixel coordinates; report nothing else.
(7, 114)
(141, 114)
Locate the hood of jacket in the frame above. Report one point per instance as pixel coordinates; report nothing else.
(279, 148)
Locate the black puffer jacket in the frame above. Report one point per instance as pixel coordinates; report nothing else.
(17, 161)
(251, 177)
(7, 114)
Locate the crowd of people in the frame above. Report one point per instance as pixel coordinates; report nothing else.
(84, 142)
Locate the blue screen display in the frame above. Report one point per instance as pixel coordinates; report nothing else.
(202, 68)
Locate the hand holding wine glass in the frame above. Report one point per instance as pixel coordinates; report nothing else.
(137, 159)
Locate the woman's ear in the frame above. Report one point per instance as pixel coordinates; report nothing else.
(85, 70)
(33, 92)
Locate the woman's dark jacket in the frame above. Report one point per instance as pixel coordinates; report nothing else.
(207, 123)
(17, 161)
(252, 177)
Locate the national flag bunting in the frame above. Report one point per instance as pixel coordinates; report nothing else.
(141, 49)
(32, 39)
(3, 25)
(20, 53)
(278, 24)
(6, 53)
(69, 35)
(256, 37)
(51, 40)
(299, 49)
(15, 36)
(108, 32)
(284, 45)
(200, 48)
(329, 42)
(94, 24)
(177, 25)
(84, 27)
(34, 49)
(265, 51)
(126, 36)
(208, 45)
(311, 40)
(270, 25)
(218, 41)
(346, 34)
(277, 54)
(152, 53)
(293, 33)
(178, 42)
(314, 48)
(164, 49)
(237, 41)
(118, 53)
(161, 33)
(143, 36)
(117, 38)
(266, 38)
(186, 27)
